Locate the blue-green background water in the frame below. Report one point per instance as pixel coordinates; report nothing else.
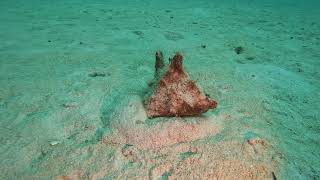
(55, 118)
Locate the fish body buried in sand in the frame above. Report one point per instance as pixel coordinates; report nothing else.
(174, 94)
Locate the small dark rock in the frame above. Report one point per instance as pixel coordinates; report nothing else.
(239, 50)
(80, 42)
(253, 75)
(138, 33)
(49, 40)
(70, 105)
(171, 17)
(168, 11)
(96, 74)
(250, 58)
(203, 46)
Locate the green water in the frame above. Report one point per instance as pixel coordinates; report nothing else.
(73, 75)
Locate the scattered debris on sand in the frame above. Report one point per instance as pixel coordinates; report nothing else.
(97, 74)
(239, 50)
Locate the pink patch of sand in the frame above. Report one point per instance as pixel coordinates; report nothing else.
(168, 133)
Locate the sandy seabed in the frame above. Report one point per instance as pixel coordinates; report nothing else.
(73, 75)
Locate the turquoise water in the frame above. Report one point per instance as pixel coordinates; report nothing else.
(73, 75)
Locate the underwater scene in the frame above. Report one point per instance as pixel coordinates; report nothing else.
(159, 89)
